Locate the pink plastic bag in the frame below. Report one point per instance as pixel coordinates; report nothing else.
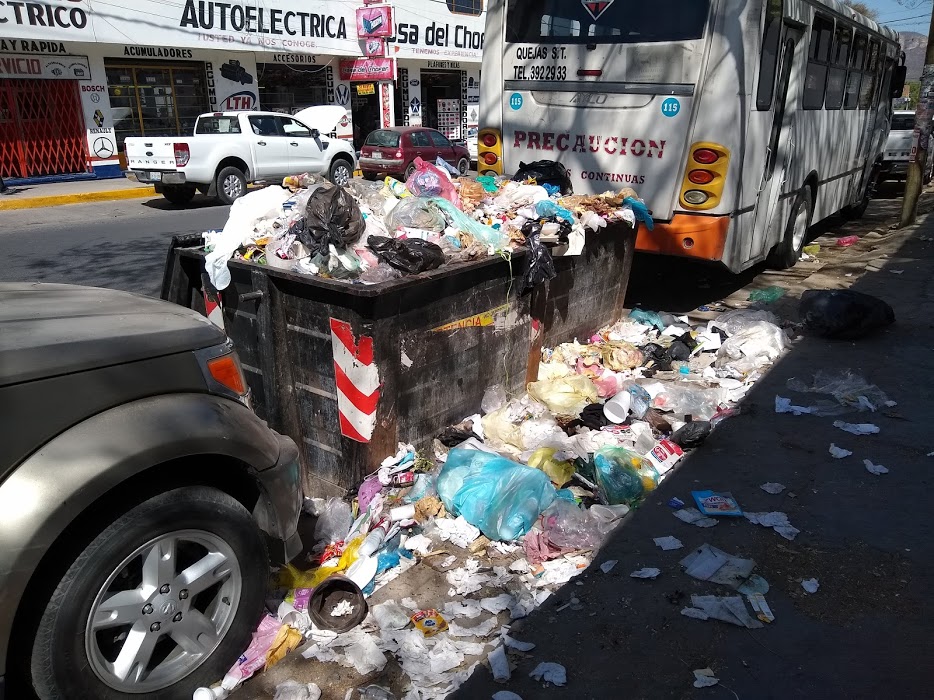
(429, 181)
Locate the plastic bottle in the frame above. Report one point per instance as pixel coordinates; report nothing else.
(373, 541)
(641, 400)
(847, 241)
(768, 295)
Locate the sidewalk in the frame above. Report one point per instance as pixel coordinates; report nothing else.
(76, 192)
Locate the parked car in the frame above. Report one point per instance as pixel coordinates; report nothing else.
(472, 133)
(231, 149)
(898, 147)
(135, 485)
(393, 151)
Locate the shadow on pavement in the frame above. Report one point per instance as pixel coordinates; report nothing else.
(865, 632)
(199, 202)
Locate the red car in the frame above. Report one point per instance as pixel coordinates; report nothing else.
(393, 151)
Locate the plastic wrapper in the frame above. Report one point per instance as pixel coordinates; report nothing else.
(623, 476)
(514, 196)
(566, 396)
(545, 172)
(539, 265)
(416, 212)
(502, 498)
(486, 235)
(397, 188)
(558, 470)
(254, 658)
(442, 164)
(488, 183)
(338, 263)
(410, 256)
(334, 522)
(293, 690)
(688, 399)
(734, 321)
(548, 209)
(378, 198)
(499, 429)
(332, 217)
(568, 525)
(843, 313)
(384, 272)
(648, 318)
(429, 181)
(493, 398)
(754, 347)
(641, 211)
(850, 392)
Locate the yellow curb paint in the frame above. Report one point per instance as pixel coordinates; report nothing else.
(80, 198)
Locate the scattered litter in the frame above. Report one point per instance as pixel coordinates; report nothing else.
(704, 678)
(457, 531)
(390, 615)
(484, 629)
(607, 566)
(773, 487)
(775, 520)
(550, 672)
(708, 563)
(470, 609)
(418, 544)
(341, 609)
(448, 561)
(857, 428)
(897, 272)
(668, 543)
(646, 573)
(293, 690)
(810, 585)
(712, 503)
(876, 469)
(758, 603)
(838, 452)
(499, 664)
(497, 604)
(850, 392)
(730, 609)
(429, 622)
(783, 405)
(516, 644)
(676, 503)
(769, 295)
(506, 695)
(692, 516)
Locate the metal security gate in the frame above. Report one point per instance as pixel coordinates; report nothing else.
(41, 128)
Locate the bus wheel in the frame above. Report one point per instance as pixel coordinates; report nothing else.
(856, 211)
(787, 252)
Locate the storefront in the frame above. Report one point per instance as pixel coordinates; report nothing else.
(72, 91)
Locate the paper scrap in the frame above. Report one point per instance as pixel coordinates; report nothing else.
(645, 573)
(857, 428)
(772, 487)
(607, 566)
(729, 609)
(668, 543)
(876, 469)
(708, 563)
(692, 516)
(775, 520)
(783, 405)
(763, 611)
(484, 629)
(499, 664)
(810, 585)
(516, 644)
(550, 672)
(838, 452)
(704, 678)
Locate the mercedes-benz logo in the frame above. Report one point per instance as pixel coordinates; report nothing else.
(103, 147)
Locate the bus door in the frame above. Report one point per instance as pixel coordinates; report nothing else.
(769, 226)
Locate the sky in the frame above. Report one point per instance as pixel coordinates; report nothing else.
(904, 15)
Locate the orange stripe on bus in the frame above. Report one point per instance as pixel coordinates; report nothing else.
(686, 235)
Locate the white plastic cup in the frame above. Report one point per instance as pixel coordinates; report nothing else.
(402, 513)
(616, 409)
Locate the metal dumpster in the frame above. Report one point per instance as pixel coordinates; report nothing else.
(350, 370)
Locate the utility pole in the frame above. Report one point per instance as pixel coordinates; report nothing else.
(918, 164)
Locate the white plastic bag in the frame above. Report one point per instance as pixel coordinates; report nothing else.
(755, 346)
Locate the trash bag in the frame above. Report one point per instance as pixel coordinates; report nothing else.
(378, 198)
(429, 181)
(539, 265)
(618, 475)
(332, 217)
(648, 318)
(641, 211)
(657, 357)
(488, 236)
(416, 212)
(734, 321)
(334, 523)
(410, 256)
(568, 525)
(692, 434)
(851, 392)
(843, 313)
(493, 398)
(566, 396)
(502, 498)
(558, 470)
(547, 209)
(684, 399)
(752, 348)
(544, 172)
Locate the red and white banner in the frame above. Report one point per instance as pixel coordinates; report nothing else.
(357, 378)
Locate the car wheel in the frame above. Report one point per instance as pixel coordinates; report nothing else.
(409, 171)
(463, 166)
(370, 176)
(179, 195)
(788, 251)
(161, 602)
(341, 172)
(231, 184)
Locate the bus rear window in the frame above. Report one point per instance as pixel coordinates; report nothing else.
(601, 22)
(218, 125)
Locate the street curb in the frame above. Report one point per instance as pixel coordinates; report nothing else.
(80, 198)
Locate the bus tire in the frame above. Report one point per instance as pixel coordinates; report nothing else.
(788, 251)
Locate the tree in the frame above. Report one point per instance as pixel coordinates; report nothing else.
(862, 8)
(914, 92)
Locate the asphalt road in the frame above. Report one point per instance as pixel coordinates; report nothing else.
(120, 244)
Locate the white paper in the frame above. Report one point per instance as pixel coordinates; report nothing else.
(645, 573)
(499, 664)
(876, 469)
(516, 644)
(484, 629)
(783, 405)
(692, 516)
(777, 521)
(772, 487)
(668, 543)
(607, 566)
(810, 585)
(838, 452)
(704, 678)
(857, 428)
(550, 672)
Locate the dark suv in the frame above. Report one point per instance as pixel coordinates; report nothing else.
(135, 487)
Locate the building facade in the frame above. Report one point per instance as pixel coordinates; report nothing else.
(77, 77)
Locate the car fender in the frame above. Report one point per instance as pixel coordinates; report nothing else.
(52, 487)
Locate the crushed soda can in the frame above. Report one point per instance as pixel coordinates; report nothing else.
(429, 622)
(664, 456)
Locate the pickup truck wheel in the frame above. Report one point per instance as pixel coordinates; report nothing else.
(161, 602)
(463, 166)
(341, 172)
(231, 184)
(179, 195)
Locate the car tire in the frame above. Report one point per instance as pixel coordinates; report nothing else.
(197, 525)
(179, 195)
(788, 251)
(372, 177)
(231, 184)
(341, 172)
(409, 171)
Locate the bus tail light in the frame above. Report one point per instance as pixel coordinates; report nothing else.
(704, 176)
(490, 152)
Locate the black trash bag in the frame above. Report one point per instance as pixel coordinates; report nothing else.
(843, 313)
(692, 434)
(332, 217)
(679, 351)
(454, 435)
(539, 265)
(657, 356)
(591, 417)
(411, 255)
(546, 172)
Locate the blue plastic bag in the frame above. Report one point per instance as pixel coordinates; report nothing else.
(459, 220)
(641, 211)
(547, 209)
(648, 318)
(502, 498)
(617, 475)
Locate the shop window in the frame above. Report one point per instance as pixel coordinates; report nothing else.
(836, 75)
(769, 59)
(815, 79)
(466, 7)
(288, 89)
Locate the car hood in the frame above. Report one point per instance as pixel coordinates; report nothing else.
(53, 329)
(324, 118)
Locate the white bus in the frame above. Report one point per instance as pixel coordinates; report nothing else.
(739, 122)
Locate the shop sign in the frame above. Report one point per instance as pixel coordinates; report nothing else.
(445, 65)
(30, 66)
(27, 46)
(360, 70)
(156, 52)
(374, 47)
(374, 21)
(298, 58)
(366, 89)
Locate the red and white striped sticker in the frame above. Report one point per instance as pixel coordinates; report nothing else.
(357, 378)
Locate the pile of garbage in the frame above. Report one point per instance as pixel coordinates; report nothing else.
(514, 502)
(371, 232)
